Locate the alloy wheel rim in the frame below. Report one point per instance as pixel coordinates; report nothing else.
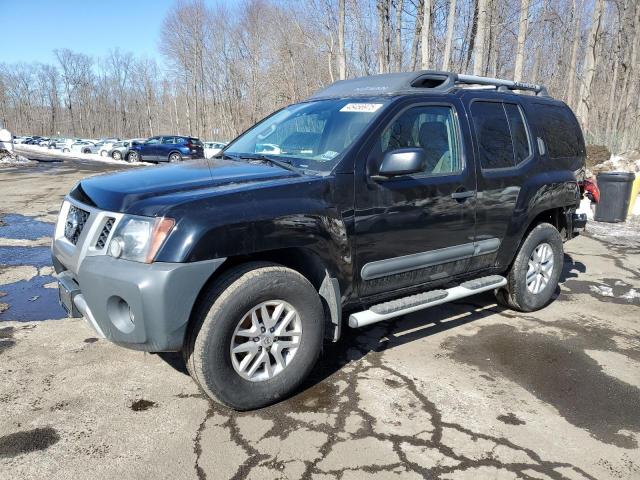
(266, 340)
(540, 268)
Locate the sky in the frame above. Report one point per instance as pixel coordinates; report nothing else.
(91, 26)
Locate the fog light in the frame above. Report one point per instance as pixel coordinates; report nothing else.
(115, 247)
(121, 314)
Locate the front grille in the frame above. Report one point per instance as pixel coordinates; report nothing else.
(106, 230)
(76, 220)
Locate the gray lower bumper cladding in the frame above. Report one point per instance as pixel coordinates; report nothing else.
(135, 305)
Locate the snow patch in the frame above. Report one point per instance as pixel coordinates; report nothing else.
(7, 158)
(55, 153)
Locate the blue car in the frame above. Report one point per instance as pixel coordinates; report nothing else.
(166, 148)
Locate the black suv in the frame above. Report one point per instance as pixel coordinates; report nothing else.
(379, 196)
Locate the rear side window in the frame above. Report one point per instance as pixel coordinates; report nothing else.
(495, 147)
(560, 130)
(168, 140)
(519, 134)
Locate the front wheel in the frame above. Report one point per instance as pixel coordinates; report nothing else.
(256, 334)
(535, 272)
(103, 153)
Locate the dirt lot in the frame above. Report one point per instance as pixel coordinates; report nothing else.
(465, 390)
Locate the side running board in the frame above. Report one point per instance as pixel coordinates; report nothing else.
(413, 303)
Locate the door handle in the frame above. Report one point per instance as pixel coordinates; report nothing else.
(463, 194)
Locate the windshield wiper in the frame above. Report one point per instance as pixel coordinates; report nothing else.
(287, 165)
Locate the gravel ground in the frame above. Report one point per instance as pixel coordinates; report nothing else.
(465, 390)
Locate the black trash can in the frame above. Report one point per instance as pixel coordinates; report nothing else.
(615, 194)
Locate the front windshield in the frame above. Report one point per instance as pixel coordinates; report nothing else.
(311, 135)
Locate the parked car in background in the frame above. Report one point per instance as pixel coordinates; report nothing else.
(211, 149)
(104, 147)
(20, 139)
(81, 146)
(166, 148)
(44, 142)
(35, 140)
(268, 148)
(60, 143)
(120, 149)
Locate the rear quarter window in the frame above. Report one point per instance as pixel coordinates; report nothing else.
(560, 131)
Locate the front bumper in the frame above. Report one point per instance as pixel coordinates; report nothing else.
(135, 305)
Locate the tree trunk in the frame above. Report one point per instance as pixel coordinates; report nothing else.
(417, 32)
(472, 36)
(399, 46)
(451, 21)
(383, 23)
(426, 34)
(523, 25)
(577, 36)
(478, 58)
(342, 56)
(590, 66)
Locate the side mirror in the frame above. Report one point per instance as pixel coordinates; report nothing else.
(403, 161)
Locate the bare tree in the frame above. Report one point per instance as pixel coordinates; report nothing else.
(342, 56)
(590, 65)
(451, 22)
(523, 24)
(426, 34)
(478, 59)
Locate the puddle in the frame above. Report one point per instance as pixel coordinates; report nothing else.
(36, 256)
(510, 419)
(21, 227)
(560, 373)
(34, 440)
(6, 338)
(31, 301)
(142, 404)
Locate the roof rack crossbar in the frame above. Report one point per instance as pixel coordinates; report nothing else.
(501, 84)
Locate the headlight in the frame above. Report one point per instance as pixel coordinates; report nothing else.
(139, 238)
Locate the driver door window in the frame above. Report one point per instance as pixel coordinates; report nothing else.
(431, 128)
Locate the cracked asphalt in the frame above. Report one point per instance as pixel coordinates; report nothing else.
(464, 390)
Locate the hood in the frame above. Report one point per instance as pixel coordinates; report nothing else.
(118, 192)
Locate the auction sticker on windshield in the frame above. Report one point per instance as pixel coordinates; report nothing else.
(361, 107)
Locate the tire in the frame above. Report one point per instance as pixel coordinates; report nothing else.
(103, 153)
(220, 312)
(116, 155)
(175, 157)
(133, 157)
(66, 150)
(86, 151)
(528, 296)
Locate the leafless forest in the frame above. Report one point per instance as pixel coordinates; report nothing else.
(222, 68)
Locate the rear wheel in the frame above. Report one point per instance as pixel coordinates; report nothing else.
(103, 153)
(257, 333)
(133, 157)
(86, 151)
(175, 157)
(116, 155)
(535, 271)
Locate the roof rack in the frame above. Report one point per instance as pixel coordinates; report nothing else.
(417, 82)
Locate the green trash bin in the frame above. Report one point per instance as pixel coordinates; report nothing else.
(615, 194)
